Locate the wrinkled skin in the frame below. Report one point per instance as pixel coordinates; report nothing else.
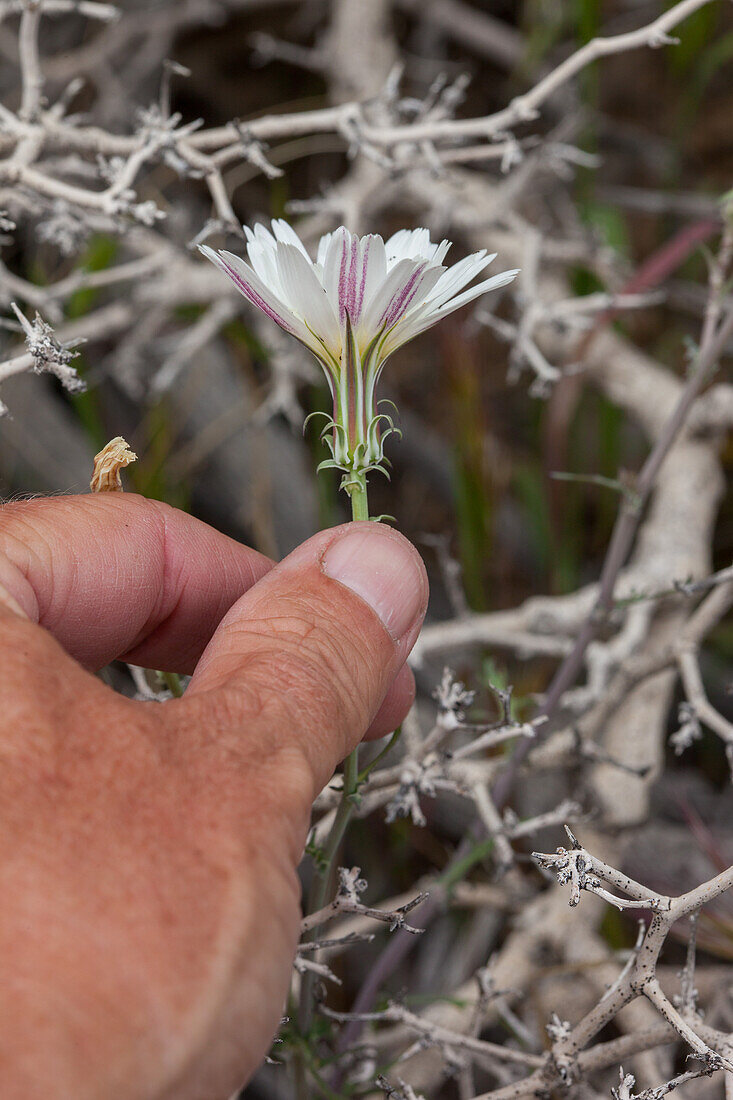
(148, 851)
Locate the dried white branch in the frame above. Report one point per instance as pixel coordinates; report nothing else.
(698, 707)
(347, 901)
(350, 118)
(46, 354)
(433, 1034)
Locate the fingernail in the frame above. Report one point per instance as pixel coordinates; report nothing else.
(384, 570)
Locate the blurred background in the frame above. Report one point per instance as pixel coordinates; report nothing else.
(615, 190)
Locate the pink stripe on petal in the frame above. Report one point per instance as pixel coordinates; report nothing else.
(359, 291)
(403, 298)
(341, 285)
(252, 296)
(347, 278)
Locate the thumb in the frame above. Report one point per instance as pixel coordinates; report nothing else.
(304, 659)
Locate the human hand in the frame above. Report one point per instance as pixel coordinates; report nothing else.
(149, 851)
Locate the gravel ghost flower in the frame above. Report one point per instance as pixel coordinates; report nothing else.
(353, 306)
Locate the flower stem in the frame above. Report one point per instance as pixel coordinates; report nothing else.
(173, 682)
(321, 884)
(356, 487)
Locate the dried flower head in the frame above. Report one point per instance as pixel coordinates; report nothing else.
(355, 304)
(107, 465)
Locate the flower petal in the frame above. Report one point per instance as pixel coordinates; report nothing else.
(366, 273)
(502, 279)
(394, 246)
(305, 295)
(323, 248)
(455, 278)
(351, 285)
(258, 293)
(263, 258)
(409, 244)
(403, 275)
(412, 294)
(283, 231)
(374, 261)
(422, 320)
(441, 251)
(335, 258)
(261, 234)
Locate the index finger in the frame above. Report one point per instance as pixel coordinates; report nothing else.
(116, 575)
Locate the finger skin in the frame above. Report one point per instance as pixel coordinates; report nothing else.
(115, 575)
(148, 852)
(396, 705)
(301, 636)
(150, 909)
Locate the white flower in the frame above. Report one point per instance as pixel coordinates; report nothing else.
(360, 300)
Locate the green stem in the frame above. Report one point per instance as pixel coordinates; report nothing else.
(322, 878)
(321, 1085)
(356, 487)
(173, 682)
(365, 772)
(460, 869)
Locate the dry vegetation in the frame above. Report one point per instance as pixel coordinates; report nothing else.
(586, 613)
